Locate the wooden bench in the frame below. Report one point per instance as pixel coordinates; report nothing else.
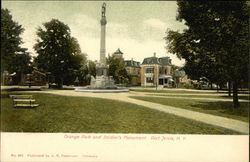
(21, 96)
(23, 101)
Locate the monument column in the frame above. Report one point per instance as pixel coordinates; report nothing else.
(102, 80)
(103, 36)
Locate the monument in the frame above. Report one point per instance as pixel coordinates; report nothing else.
(102, 80)
(102, 83)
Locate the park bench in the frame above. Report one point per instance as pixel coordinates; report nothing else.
(21, 96)
(23, 101)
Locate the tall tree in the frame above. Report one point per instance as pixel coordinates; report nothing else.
(14, 58)
(216, 43)
(58, 52)
(117, 69)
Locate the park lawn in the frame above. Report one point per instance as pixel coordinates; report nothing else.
(220, 108)
(202, 96)
(92, 115)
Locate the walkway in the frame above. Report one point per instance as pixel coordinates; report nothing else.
(194, 98)
(228, 123)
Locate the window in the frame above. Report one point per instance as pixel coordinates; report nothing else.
(149, 79)
(149, 70)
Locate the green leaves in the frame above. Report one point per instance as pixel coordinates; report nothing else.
(58, 52)
(14, 58)
(10, 43)
(117, 69)
(222, 52)
(219, 27)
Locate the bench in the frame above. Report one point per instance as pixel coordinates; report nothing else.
(23, 101)
(21, 96)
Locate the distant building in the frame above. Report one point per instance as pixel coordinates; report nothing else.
(133, 69)
(118, 54)
(6, 78)
(156, 71)
(36, 78)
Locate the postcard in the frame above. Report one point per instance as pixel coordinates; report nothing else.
(119, 81)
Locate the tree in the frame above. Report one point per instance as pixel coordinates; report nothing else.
(22, 66)
(14, 58)
(216, 43)
(117, 69)
(58, 52)
(92, 68)
(85, 72)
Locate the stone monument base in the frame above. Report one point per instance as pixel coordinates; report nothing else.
(102, 82)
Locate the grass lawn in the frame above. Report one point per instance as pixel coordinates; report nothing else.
(219, 108)
(82, 115)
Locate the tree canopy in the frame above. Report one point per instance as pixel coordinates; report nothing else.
(117, 70)
(58, 52)
(14, 58)
(216, 43)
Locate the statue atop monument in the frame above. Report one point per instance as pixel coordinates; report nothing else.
(103, 9)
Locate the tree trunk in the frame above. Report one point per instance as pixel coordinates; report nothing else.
(229, 88)
(235, 94)
(59, 82)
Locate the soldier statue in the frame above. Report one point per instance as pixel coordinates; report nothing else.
(103, 9)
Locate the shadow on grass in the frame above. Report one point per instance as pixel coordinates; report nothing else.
(7, 93)
(224, 107)
(22, 89)
(240, 97)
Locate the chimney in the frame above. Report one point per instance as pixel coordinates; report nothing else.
(154, 54)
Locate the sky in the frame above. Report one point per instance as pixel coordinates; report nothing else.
(138, 28)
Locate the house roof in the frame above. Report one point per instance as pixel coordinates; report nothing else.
(38, 72)
(118, 51)
(132, 63)
(156, 60)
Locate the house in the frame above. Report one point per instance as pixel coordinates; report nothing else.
(6, 78)
(156, 71)
(133, 69)
(36, 78)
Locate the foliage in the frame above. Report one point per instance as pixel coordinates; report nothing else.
(14, 58)
(117, 70)
(86, 71)
(92, 68)
(216, 43)
(58, 52)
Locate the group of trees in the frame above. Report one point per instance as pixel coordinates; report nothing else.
(216, 43)
(59, 53)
